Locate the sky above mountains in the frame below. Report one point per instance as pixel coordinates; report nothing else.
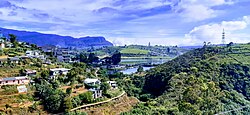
(163, 22)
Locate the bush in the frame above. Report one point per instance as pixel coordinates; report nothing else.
(86, 97)
(9, 89)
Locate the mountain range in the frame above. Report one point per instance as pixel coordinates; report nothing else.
(41, 39)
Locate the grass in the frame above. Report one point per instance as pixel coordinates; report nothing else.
(134, 51)
(115, 92)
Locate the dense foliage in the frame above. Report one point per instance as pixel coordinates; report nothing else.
(204, 81)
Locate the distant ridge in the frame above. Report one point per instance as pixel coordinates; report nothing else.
(52, 39)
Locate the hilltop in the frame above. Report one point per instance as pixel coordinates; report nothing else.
(208, 80)
(41, 39)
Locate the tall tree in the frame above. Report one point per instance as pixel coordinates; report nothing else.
(92, 58)
(83, 58)
(12, 38)
(116, 58)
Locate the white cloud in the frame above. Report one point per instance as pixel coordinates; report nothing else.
(213, 32)
(198, 10)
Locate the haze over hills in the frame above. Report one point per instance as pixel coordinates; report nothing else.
(52, 39)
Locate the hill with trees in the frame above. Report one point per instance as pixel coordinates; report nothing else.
(53, 39)
(208, 80)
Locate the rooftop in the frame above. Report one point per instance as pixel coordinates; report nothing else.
(14, 78)
(89, 80)
(59, 69)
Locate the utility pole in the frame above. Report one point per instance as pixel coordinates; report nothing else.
(223, 37)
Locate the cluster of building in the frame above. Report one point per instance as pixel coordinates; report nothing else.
(67, 55)
(24, 80)
(28, 54)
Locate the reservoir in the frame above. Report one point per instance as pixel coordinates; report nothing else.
(133, 70)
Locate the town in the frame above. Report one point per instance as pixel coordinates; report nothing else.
(77, 76)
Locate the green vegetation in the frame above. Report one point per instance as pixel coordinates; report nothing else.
(209, 80)
(133, 51)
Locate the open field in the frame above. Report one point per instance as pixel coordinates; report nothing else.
(134, 51)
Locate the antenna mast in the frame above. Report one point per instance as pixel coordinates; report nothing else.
(223, 37)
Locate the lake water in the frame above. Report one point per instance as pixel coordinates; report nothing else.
(141, 60)
(133, 70)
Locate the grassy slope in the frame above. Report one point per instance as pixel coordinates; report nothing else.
(114, 108)
(203, 81)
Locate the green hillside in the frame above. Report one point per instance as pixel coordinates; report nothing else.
(205, 81)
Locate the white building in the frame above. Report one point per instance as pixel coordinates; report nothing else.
(92, 82)
(31, 53)
(97, 93)
(58, 71)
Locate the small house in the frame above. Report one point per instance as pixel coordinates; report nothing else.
(30, 72)
(14, 80)
(58, 71)
(112, 84)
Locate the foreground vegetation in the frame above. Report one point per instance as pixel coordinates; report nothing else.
(208, 80)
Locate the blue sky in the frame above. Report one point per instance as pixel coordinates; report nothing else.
(162, 22)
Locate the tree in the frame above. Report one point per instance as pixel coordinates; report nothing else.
(22, 72)
(34, 46)
(53, 102)
(83, 58)
(71, 76)
(105, 87)
(116, 58)
(92, 58)
(45, 74)
(68, 104)
(86, 97)
(53, 99)
(12, 38)
(140, 69)
(69, 91)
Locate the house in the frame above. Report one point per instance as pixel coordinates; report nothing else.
(92, 82)
(14, 80)
(112, 84)
(58, 71)
(31, 53)
(97, 93)
(30, 72)
(14, 59)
